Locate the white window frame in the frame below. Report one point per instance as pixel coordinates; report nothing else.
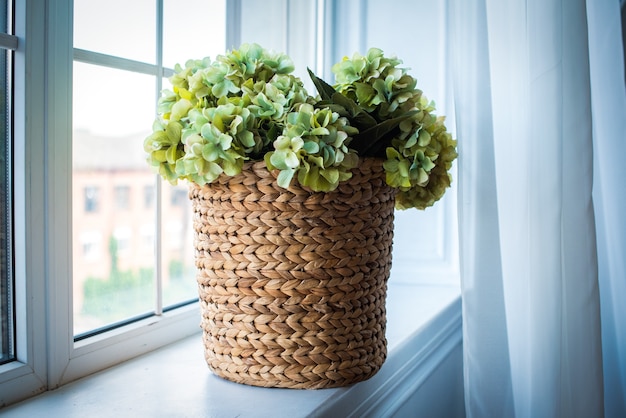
(27, 374)
(47, 356)
(71, 360)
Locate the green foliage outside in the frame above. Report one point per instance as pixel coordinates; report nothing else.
(122, 294)
(126, 293)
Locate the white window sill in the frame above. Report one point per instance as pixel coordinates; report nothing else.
(423, 324)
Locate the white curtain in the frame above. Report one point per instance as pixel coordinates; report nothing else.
(541, 126)
(609, 191)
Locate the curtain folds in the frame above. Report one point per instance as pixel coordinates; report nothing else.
(485, 335)
(527, 109)
(608, 98)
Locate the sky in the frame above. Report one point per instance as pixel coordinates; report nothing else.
(111, 102)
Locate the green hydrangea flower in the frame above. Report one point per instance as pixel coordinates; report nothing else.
(220, 113)
(247, 105)
(313, 146)
(420, 150)
(164, 149)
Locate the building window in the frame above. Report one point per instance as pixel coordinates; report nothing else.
(122, 237)
(147, 238)
(91, 243)
(148, 196)
(175, 235)
(122, 197)
(92, 199)
(179, 197)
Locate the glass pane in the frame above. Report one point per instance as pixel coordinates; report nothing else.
(114, 208)
(208, 38)
(179, 274)
(7, 347)
(117, 27)
(177, 263)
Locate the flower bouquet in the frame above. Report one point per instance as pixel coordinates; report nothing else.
(293, 197)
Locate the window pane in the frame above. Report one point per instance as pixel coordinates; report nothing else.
(207, 38)
(114, 218)
(7, 347)
(178, 269)
(115, 193)
(117, 27)
(177, 262)
(179, 274)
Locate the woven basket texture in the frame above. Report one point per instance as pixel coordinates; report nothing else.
(293, 283)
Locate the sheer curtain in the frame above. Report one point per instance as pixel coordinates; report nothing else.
(540, 122)
(609, 192)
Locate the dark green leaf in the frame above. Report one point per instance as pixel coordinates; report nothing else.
(342, 111)
(325, 90)
(357, 115)
(370, 141)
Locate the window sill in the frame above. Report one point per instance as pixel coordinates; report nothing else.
(424, 326)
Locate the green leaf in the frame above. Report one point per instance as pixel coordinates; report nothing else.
(356, 114)
(180, 109)
(174, 131)
(370, 141)
(325, 90)
(160, 156)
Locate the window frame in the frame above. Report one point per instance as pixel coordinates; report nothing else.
(71, 360)
(27, 374)
(46, 354)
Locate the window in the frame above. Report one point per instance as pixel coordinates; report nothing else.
(148, 196)
(122, 197)
(92, 93)
(91, 242)
(91, 199)
(147, 238)
(178, 197)
(7, 337)
(110, 153)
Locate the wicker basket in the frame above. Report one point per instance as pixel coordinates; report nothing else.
(293, 283)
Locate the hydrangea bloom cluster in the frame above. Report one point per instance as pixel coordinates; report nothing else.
(222, 113)
(246, 105)
(313, 145)
(420, 152)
